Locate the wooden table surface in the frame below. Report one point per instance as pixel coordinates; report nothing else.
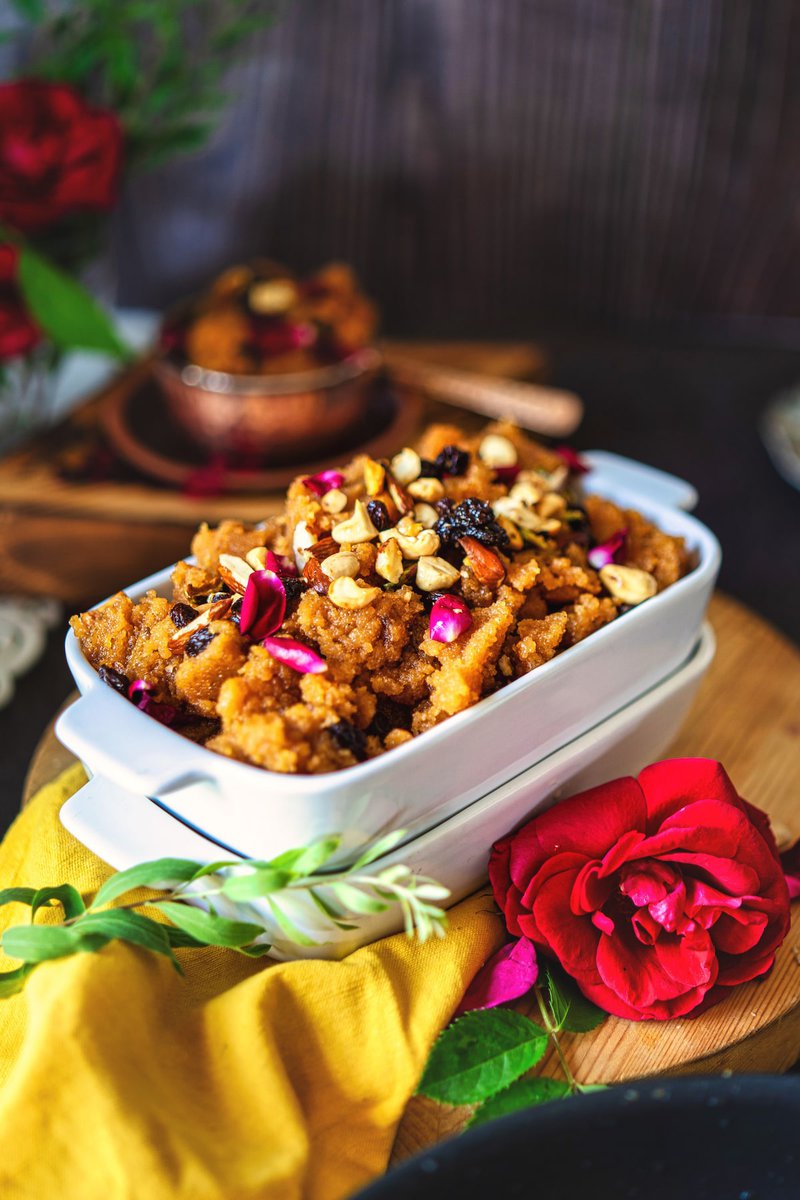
(747, 715)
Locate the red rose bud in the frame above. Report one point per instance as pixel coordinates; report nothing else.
(295, 655)
(506, 475)
(573, 460)
(449, 618)
(324, 482)
(263, 605)
(139, 694)
(657, 895)
(18, 332)
(606, 552)
(58, 155)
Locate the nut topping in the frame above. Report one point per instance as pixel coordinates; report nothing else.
(302, 540)
(349, 593)
(389, 563)
(374, 476)
(427, 488)
(483, 562)
(257, 558)
(400, 497)
(334, 501)
(345, 563)
(425, 515)
(416, 545)
(628, 585)
(497, 451)
(235, 572)
(214, 612)
(323, 549)
(435, 574)
(406, 466)
(272, 296)
(357, 528)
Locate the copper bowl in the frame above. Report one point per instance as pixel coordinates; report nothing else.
(277, 418)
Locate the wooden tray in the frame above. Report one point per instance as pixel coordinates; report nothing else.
(746, 715)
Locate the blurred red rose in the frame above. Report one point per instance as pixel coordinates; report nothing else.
(18, 333)
(656, 894)
(58, 155)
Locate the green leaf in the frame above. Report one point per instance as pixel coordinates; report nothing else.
(570, 1008)
(181, 940)
(37, 943)
(522, 1094)
(210, 929)
(287, 926)
(308, 859)
(31, 10)
(12, 982)
(66, 895)
(64, 309)
(255, 885)
(150, 874)
(379, 848)
(17, 895)
(354, 900)
(126, 926)
(480, 1054)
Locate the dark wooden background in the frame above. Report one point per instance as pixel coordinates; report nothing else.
(486, 163)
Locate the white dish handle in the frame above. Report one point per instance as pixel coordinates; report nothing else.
(614, 473)
(90, 729)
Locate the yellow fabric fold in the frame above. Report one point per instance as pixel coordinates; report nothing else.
(240, 1081)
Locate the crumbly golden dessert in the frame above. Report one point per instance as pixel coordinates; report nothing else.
(387, 597)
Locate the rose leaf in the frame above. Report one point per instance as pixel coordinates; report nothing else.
(522, 1094)
(480, 1054)
(570, 1008)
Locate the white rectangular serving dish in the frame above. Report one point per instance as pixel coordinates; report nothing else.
(124, 828)
(425, 781)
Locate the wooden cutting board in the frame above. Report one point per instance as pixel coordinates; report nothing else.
(747, 714)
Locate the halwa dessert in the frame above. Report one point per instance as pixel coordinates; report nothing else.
(387, 597)
(261, 319)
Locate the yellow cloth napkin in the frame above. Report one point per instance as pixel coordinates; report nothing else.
(120, 1079)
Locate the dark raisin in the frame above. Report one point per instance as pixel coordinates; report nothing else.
(430, 598)
(429, 469)
(349, 738)
(198, 641)
(471, 518)
(378, 514)
(214, 596)
(444, 507)
(235, 611)
(115, 679)
(182, 614)
(389, 715)
(294, 587)
(452, 461)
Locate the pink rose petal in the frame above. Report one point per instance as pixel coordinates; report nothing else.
(790, 861)
(263, 605)
(507, 975)
(324, 482)
(607, 552)
(139, 694)
(506, 475)
(295, 655)
(450, 617)
(573, 460)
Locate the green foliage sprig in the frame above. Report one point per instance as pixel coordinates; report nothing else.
(484, 1058)
(159, 64)
(339, 897)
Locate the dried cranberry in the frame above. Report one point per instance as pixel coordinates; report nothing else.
(295, 586)
(452, 461)
(115, 679)
(198, 641)
(471, 518)
(349, 738)
(378, 514)
(182, 614)
(389, 715)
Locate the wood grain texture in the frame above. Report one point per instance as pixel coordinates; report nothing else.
(488, 165)
(747, 714)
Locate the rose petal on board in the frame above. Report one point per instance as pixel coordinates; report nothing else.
(506, 976)
(295, 655)
(324, 481)
(263, 604)
(607, 552)
(450, 617)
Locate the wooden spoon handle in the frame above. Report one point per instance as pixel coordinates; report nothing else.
(543, 409)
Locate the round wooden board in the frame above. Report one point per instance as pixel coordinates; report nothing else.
(747, 715)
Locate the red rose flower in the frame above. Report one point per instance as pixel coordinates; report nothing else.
(58, 155)
(18, 333)
(656, 894)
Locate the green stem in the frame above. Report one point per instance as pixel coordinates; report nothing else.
(553, 1031)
